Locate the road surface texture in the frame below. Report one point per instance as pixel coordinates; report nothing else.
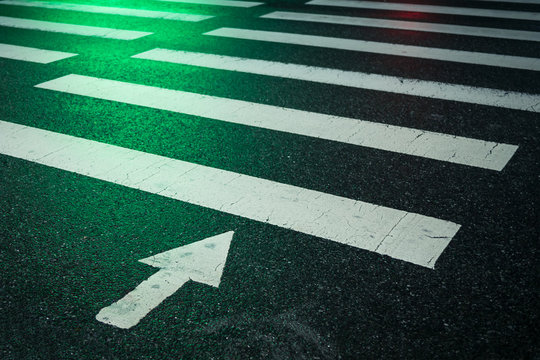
(214, 179)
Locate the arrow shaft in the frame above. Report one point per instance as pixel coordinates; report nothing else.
(129, 310)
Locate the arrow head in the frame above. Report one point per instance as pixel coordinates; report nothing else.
(203, 261)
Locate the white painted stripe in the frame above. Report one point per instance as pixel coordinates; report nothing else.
(459, 56)
(108, 10)
(402, 235)
(407, 25)
(415, 142)
(71, 29)
(233, 3)
(433, 9)
(537, 2)
(32, 54)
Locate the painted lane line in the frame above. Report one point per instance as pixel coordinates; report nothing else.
(407, 25)
(108, 10)
(431, 145)
(407, 236)
(537, 2)
(437, 146)
(431, 89)
(233, 3)
(202, 261)
(102, 32)
(459, 56)
(30, 54)
(432, 9)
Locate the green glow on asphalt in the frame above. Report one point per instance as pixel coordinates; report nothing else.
(70, 245)
(84, 229)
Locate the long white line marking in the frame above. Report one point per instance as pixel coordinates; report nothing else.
(537, 2)
(459, 56)
(407, 25)
(30, 54)
(399, 85)
(71, 29)
(447, 10)
(233, 3)
(399, 234)
(415, 142)
(108, 10)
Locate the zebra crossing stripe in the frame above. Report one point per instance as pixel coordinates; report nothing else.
(83, 30)
(30, 54)
(459, 56)
(431, 145)
(399, 85)
(537, 2)
(108, 10)
(233, 3)
(433, 9)
(399, 234)
(407, 25)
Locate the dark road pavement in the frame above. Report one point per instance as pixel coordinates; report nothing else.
(373, 168)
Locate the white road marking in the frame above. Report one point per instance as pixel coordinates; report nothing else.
(233, 3)
(71, 29)
(407, 25)
(30, 54)
(433, 9)
(515, 1)
(431, 89)
(431, 145)
(202, 261)
(459, 56)
(108, 10)
(407, 236)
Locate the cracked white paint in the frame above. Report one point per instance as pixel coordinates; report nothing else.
(83, 30)
(432, 145)
(399, 234)
(202, 261)
(233, 3)
(30, 54)
(433, 9)
(459, 56)
(109, 10)
(407, 25)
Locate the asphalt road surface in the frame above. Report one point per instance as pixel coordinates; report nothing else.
(321, 180)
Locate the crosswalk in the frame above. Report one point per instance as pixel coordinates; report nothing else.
(400, 234)
(447, 10)
(108, 10)
(431, 145)
(410, 237)
(514, 1)
(419, 52)
(405, 25)
(231, 3)
(74, 29)
(25, 53)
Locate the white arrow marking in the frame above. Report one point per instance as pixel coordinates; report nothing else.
(202, 261)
